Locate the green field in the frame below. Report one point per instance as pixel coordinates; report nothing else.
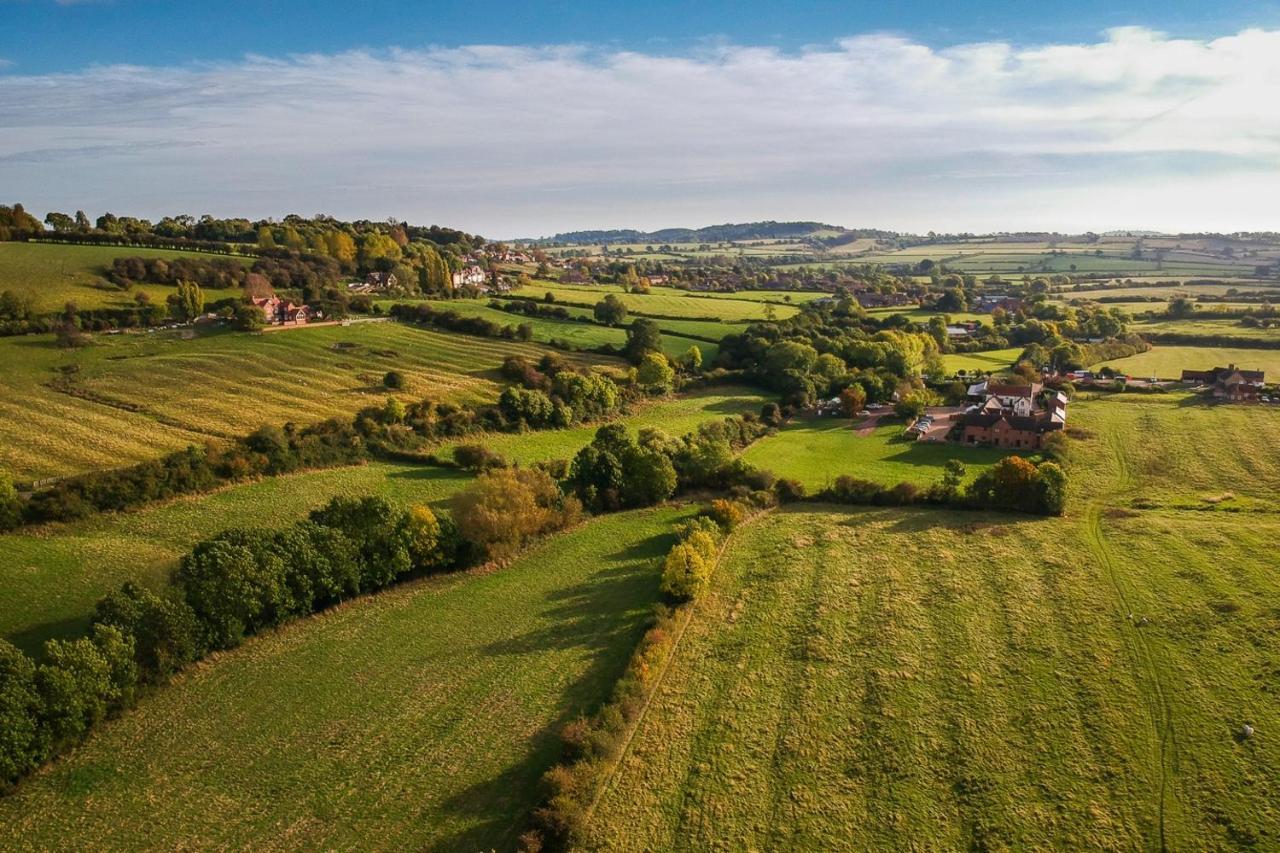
(675, 416)
(419, 718)
(817, 450)
(1207, 328)
(592, 334)
(129, 397)
(991, 361)
(53, 274)
(1168, 362)
(661, 300)
(899, 679)
(53, 576)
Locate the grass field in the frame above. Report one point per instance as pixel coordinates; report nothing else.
(817, 450)
(1207, 328)
(143, 394)
(982, 362)
(873, 678)
(1168, 362)
(419, 718)
(52, 274)
(675, 416)
(587, 335)
(53, 575)
(661, 300)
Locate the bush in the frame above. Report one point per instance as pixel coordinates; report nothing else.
(22, 746)
(379, 533)
(165, 632)
(474, 457)
(728, 514)
(507, 507)
(394, 379)
(789, 490)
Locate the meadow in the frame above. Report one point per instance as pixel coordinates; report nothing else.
(817, 450)
(1207, 328)
(130, 397)
(1168, 362)
(666, 301)
(881, 678)
(419, 718)
(591, 334)
(982, 362)
(53, 274)
(674, 416)
(53, 575)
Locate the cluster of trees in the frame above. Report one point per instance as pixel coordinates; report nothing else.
(506, 508)
(225, 589)
(1013, 484)
(428, 315)
(827, 348)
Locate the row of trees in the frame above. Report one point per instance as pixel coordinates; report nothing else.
(1013, 484)
(226, 588)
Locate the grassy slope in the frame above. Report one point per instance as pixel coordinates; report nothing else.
(587, 335)
(890, 678)
(1168, 362)
(676, 417)
(418, 718)
(52, 576)
(157, 392)
(52, 275)
(661, 300)
(816, 451)
(982, 362)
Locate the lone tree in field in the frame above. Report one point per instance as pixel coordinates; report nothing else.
(611, 311)
(188, 303)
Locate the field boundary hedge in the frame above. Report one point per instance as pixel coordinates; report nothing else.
(659, 640)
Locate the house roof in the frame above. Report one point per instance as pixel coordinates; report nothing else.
(1011, 390)
(1026, 423)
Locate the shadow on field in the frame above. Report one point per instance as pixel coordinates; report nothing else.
(31, 640)
(603, 617)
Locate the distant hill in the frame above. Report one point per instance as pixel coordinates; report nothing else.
(711, 234)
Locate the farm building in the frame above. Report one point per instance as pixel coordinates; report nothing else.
(470, 275)
(1019, 399)
(1003, 429)
(1228, 383)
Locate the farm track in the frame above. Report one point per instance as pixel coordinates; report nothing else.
(1139, 649)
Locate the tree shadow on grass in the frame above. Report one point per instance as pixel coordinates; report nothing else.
(31, 640)
(605, 616)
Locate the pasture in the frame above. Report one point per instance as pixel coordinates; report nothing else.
(54, 574)
(666, 301)
(879, 678)
(53, 274)
(129, 397)
(1168, 362)
(817, 450)
(991, 361)
(1207, 329)
(418, 718)
(675, 416)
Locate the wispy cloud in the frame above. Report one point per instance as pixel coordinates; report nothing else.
(875, 129)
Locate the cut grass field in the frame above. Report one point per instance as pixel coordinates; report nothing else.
(138, 395)
(675, 416)
(667, 301)
(817, 450)
(1168, 362)
(53, 274)
(1207, 329)
(991, 361)
(419, 718)
(878, 678)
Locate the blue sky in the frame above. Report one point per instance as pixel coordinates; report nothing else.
(39, 36)
(527, 118)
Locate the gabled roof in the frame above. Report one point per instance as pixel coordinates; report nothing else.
(1002, 390)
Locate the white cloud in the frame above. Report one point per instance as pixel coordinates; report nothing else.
(872, 130)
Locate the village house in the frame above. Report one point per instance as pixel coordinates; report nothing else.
(282, 312)
(1229, 383)
(869, 299)
(1008, 416)
(988, 304)
(470, 275)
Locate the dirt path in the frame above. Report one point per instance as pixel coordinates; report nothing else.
(868, 426)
